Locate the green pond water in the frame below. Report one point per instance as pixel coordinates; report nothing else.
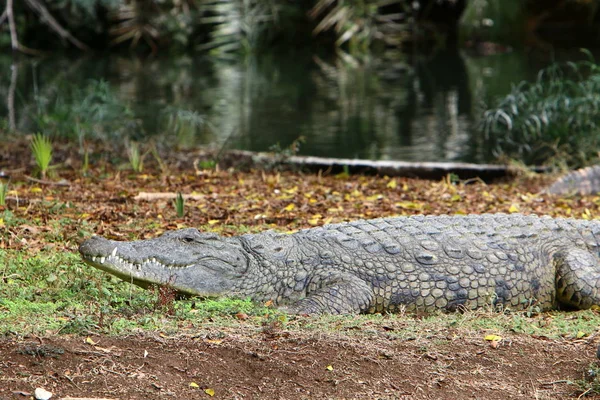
(420, 108)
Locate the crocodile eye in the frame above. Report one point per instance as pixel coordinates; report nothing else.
(188, 239)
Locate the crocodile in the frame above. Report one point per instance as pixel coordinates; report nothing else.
(416, 263)
(582, 181)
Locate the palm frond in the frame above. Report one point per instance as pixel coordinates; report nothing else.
(358, 23)
(237, 24)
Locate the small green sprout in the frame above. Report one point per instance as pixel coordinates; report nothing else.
(136, 159)
(179, 205)
(41, 146)
(3, 192)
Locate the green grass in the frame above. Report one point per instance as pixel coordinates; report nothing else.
(9, 219)
(54, 291)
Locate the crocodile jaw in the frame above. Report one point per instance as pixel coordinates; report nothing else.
(207, 267)
(143, 273)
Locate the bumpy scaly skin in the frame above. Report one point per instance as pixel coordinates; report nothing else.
(420, 263)
(583, 181)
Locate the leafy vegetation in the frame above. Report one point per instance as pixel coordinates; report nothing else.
(554, 117)
(78, 113)
(97, 112)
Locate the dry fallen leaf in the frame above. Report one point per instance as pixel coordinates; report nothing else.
(492, 338)
(241, 316)
(209, 391)
(89, 340)
(409, 205)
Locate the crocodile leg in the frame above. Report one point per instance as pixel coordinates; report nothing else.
(577, 278)
(345, 294)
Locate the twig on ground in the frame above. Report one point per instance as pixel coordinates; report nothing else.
(44, 182)
(147, 196)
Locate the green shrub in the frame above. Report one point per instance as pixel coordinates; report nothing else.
(555, 119)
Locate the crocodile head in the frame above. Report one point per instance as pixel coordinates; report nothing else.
(187, 260)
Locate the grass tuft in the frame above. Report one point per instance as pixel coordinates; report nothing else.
(41, 146)
(136, 158)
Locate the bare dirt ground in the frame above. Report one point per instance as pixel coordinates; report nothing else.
(292, 366)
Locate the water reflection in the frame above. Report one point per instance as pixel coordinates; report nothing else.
(418, 110)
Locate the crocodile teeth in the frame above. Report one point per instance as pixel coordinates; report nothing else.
(114, 252)
(102, 259)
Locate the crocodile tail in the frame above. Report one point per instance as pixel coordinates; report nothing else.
(581, 181)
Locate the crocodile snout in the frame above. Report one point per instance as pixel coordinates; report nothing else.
(96, 246)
